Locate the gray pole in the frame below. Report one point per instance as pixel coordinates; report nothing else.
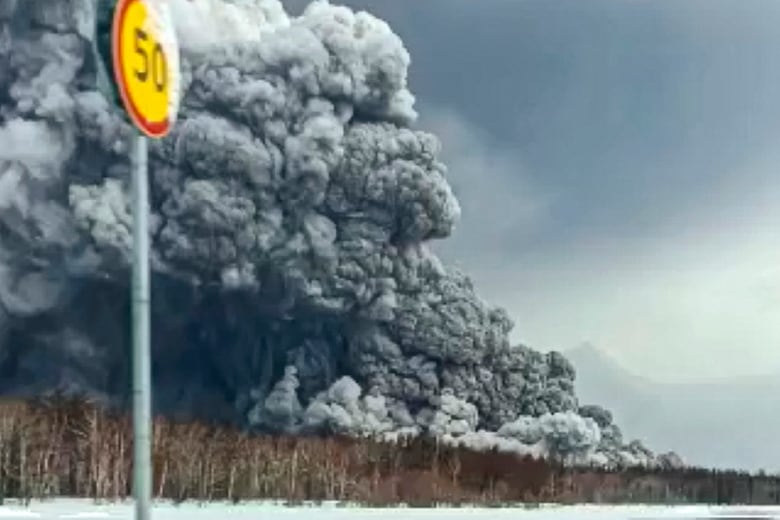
(142, 402)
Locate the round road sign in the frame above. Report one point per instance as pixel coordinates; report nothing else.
(146, 64)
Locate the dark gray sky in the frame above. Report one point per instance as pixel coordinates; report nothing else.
(618, 167)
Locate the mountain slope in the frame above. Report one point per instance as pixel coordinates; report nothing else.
(730, 423)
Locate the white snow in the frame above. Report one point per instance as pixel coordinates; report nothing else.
(7, 512)
(80, 509)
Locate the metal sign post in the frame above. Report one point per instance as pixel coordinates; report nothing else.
(142, 370)
(144, 56)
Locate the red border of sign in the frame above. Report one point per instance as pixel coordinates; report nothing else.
(150, 128)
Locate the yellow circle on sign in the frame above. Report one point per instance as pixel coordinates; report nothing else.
(146, 63)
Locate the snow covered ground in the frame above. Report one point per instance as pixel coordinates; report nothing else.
(77, 509)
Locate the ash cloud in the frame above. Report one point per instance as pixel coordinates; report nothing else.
(293, 207)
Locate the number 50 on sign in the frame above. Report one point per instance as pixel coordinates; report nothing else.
(146, 64)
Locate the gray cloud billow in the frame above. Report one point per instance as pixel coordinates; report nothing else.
(292, 209)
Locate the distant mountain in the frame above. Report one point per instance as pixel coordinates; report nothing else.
(732, 423)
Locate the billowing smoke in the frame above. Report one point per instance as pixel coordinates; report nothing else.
(292, 207)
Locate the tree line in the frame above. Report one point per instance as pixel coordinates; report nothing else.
(70, 447)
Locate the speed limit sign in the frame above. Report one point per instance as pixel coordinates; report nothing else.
(136, 40)
(146, 64)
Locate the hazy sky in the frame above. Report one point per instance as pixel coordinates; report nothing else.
(618, 167)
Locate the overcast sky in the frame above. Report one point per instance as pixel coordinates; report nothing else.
(618, 167)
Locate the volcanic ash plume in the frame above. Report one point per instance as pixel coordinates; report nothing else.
(292, 207)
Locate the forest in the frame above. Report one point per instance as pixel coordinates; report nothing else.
(69, 447)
